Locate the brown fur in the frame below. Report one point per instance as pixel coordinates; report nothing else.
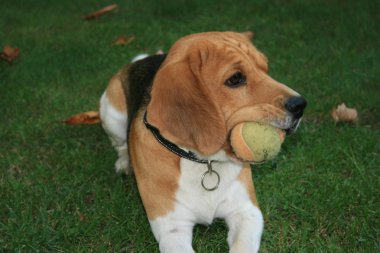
(193, 108)
(246, 178)
(115, 93)
(156, 169)
(190, 103)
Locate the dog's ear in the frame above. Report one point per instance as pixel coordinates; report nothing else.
(183, 109)
(249, 35)
(262, 61)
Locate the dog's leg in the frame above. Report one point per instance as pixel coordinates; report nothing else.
(173, 235)
(114, 122)
(245, 229)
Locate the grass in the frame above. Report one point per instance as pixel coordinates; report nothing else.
(58, 190)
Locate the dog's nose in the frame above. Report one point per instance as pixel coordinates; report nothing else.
(295, 105)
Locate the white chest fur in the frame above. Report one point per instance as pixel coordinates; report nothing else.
(205, 205)
(194, 204)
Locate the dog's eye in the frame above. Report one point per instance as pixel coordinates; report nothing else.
(236, 80)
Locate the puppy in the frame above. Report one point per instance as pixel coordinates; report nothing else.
(169, 118)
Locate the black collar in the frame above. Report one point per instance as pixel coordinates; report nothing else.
(185, 154)
(170, 145)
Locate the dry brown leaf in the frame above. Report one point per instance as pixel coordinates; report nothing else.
(249, 34)
(90, 117)
(100, 12)
(124, 40)
(9, 53)
(344, 114)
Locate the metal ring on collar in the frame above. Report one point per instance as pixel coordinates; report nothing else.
(210, 171)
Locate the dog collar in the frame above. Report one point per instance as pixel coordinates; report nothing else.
(183, 153)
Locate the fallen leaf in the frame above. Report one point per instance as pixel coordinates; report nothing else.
(124, 40)
(90, 117)
(100, 12)
(249, 34)
(344, 114)
(9, 53)
(159, 52)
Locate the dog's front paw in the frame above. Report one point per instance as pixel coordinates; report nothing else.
(241, 248)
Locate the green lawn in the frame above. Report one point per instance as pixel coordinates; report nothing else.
(58, 189)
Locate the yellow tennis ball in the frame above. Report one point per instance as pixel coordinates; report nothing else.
(255, 142)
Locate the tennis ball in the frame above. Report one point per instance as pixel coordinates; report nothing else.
(255, 142)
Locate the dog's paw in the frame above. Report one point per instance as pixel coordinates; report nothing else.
(238, 248)
(122, 166)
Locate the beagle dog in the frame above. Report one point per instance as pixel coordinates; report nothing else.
(169, 118)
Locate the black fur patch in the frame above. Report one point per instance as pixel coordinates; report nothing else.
(138, 85)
